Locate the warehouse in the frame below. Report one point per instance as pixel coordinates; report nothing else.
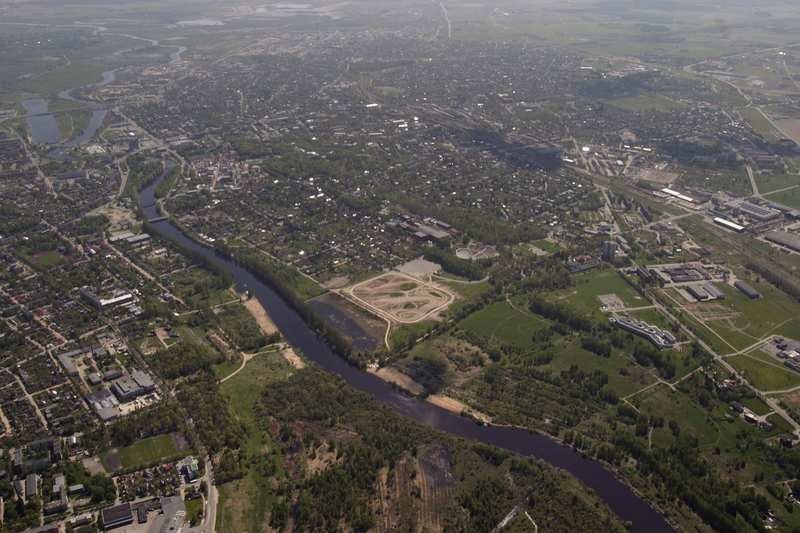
(725, 223)
(747, 290)
(784, 238)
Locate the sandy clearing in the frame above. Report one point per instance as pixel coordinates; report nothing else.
(392, 375)
(295, 360)
(266, 324)
(455, 406)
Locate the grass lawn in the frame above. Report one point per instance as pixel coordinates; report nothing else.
(45, 260)
(568, 352)
(692, 418)
(547, 246)
(407, 334)
(194, 511)
(773, 182)
(148, 451)
(789, 198)
(760, 124)
(756, 405)
(589, 286)
(646, 102)
(243, 504)
(774, 313)
(764, 376)
(504, 323)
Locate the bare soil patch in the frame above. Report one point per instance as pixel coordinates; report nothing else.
(402, 298)
(261, 317)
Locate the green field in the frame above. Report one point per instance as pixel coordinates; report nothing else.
(243, 503)
(589, 286)
(547, 246)
(503, 323)
(760, 124)
(764, 376)
(756, 405)
(194, 511)
(789, 198)
(752, 320)
(646, 102)
(45, 260)
(568, 352)
(773, 182)
(148, 451)
(693, 419)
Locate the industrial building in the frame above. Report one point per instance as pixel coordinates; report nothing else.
(758, 212)
(116, 516)
(784, 238)
(747, 290)
(727, 224)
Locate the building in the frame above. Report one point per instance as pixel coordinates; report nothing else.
(189, 468)
(678, 195)
(126, 389)
(144, 381)
(660, 338)
(116, 516)
(608, 251)
(698, 293)
(31, 486)
(747, 290)
(784, 238)
(727, 224)
(758, 212)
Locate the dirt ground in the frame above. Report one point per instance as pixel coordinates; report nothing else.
(295, 360)
(661, 177)
(392, 375)
(118, 216)
(791, 127)
(402, 298)
(260, 315)
(455, 406)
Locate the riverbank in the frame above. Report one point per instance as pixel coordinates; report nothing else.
(594, 475)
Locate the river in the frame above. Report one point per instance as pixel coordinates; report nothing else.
(43, 125)
(616, 494)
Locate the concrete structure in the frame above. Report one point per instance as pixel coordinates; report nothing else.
(660, 338)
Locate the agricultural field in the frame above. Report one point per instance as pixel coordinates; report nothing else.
(760, 124)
